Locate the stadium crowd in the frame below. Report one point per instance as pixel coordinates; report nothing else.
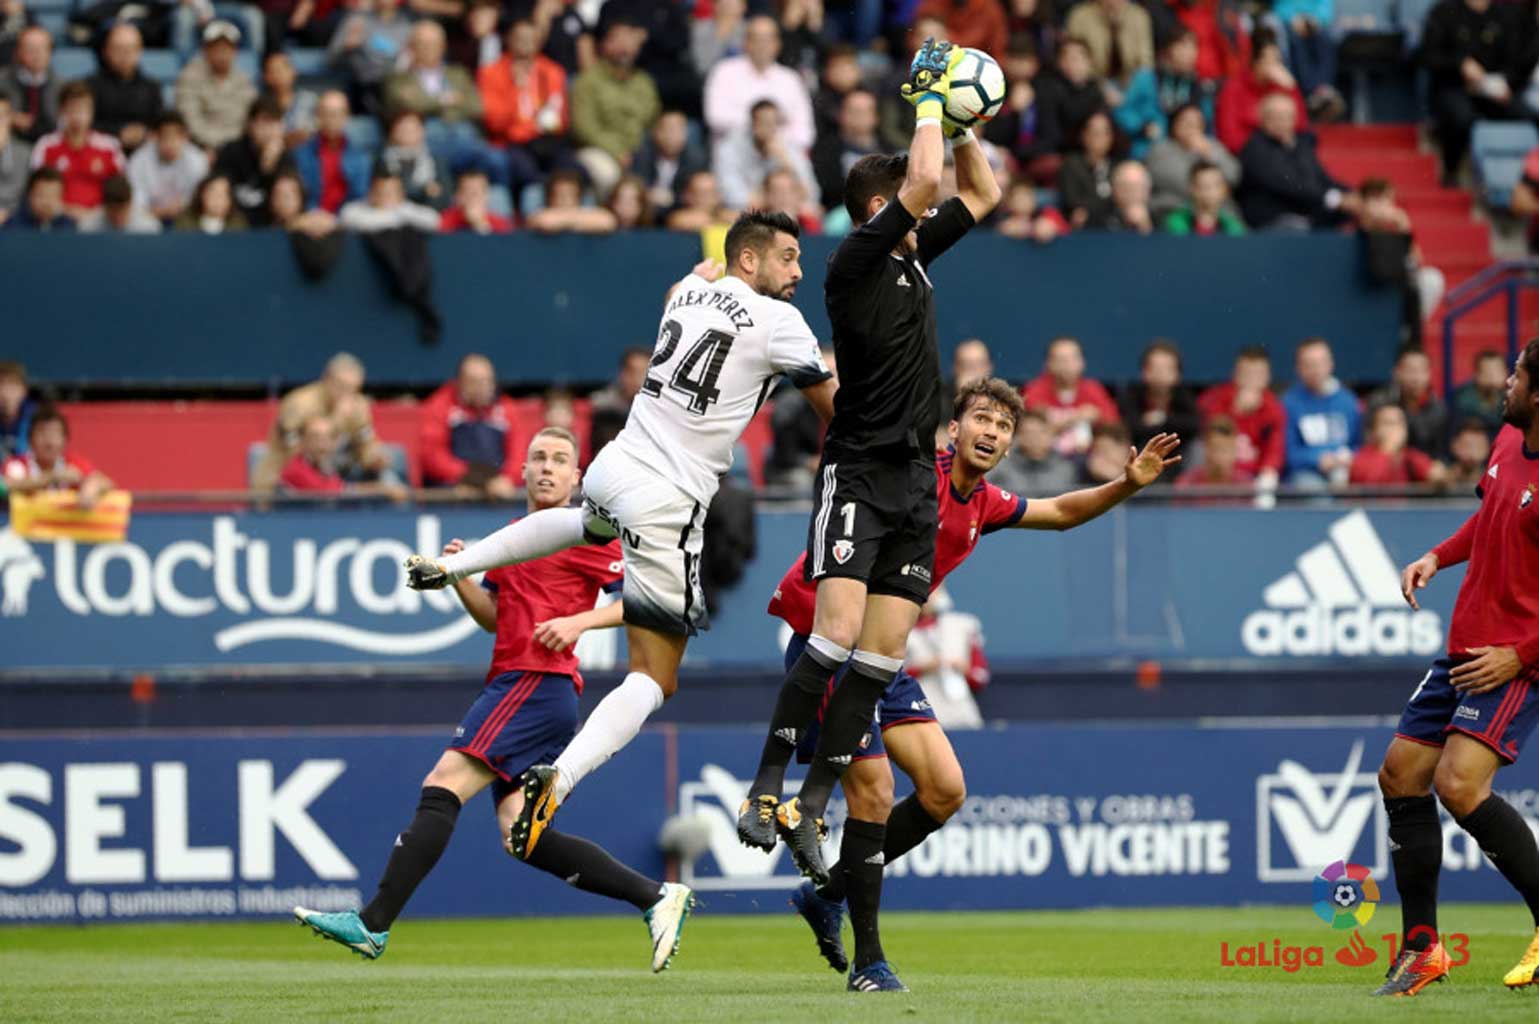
(1248, 434)
(591, 116)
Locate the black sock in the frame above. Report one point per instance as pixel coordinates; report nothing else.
(1505, 837)
(1416, 850)
(416, 851)
(861, 853)
(850, 716)
(590, 868)
(797, 707)
(907, 827)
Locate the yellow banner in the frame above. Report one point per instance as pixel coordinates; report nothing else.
(58, 515)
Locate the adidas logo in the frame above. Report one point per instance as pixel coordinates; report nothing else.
(1343, 598)
(876, 858)
(788, 735)
(902, 280)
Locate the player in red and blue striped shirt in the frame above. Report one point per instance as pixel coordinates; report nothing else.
(526, 715)
(1476, 705)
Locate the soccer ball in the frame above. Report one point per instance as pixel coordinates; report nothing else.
(977, 90)
(1345, 896)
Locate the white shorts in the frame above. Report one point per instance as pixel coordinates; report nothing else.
(661, 531)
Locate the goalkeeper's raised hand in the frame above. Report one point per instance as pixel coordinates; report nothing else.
(929, 77)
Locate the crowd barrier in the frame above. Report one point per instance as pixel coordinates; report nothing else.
(323, 587)
(186, 309)
(210, 825)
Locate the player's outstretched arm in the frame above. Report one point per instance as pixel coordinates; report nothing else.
(976, 185)
(928, 84)
(562, 633)
(481, 605)
(1077, 507)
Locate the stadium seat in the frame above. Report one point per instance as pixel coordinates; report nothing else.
(161, 65)
(1497, 151)
(500, 201)
(309, 62)
(364, 132)
(1365, 15)
(1411, 16)
(52, 20)
(249, 63)
(72, 62)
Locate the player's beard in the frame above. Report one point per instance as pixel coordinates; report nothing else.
(1520, 415)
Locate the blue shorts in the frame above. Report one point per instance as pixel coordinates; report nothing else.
(520, 719)
(1501, 718)
(903, 701)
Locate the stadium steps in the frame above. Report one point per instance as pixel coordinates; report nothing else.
(1452, 237)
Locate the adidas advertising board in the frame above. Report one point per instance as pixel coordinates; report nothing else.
(215, 825)
(1145, 581)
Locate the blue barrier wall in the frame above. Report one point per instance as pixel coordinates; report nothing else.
(246, 825)
(1288, 586)
(182, 308)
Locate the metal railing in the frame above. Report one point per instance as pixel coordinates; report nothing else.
(1508, 278)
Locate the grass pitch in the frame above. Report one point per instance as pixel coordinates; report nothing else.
(1083, 967)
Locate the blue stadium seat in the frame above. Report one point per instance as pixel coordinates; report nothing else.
(72, 62)
(54, 21)
(309, 62)
(161, 65)
(251, 64)
(1411, 15)
(1497, 151)
(364, 132)
(1366, 15)
(50, 6)
(500, 201)
(531, 198)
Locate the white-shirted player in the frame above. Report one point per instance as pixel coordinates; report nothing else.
(719, 349)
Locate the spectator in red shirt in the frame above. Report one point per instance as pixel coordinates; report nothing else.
(47, 466)
(334, 171)
(313, 468)
(84, 158)
(471, 211)
(1386, 459)
(1223, 44)
(1220, 457)
(524, 105)
(1073, 403)
(1258, 417)
(979, 24)
(467, 439)
(1239, 101)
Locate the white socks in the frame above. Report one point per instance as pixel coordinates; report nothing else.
(613, 724)
(534, 536)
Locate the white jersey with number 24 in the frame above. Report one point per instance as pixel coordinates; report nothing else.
(719, 349)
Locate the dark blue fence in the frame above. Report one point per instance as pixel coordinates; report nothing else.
(181, 308)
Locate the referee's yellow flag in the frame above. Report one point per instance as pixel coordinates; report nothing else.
(58, 515)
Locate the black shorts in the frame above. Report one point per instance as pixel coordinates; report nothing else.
(875, 521)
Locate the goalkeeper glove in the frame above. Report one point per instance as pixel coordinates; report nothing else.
(425, 574)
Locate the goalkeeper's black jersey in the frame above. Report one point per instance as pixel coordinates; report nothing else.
(882, 308)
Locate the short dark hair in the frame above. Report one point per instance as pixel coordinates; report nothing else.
(1310, 343)
(47, 414)
(1466, 426)
(756, 230)
(116, 191)
(1488, 353)
(753, 111)
(12, 368)
(170, 119)
(1529, 360)
(1033, 413)
(1021, 44)
(399, 116)
(44, 174)
(565, 175)
(1203, 167)
(264, 106)
(1249, 353)
(1373, 188)
(1068, 41)
(471, 170)
(1110, 431)
(1382, 407)
(1164, 345)
(993, 391)
(840, 51)
(634, 352)
(383, 171)
(876, 174)
(1221, 425)
(1406, 353)
(76, 90)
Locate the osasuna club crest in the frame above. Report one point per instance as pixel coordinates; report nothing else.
(1528, 497)
(843, 549)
